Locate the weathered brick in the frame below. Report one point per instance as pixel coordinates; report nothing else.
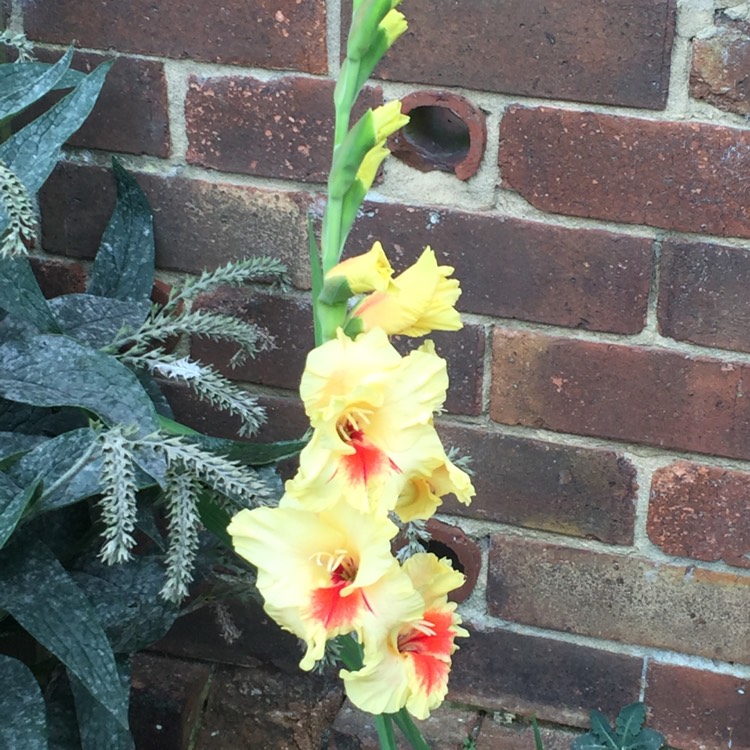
(557, 681)
(587, 50)
(619, 598)
(446, 729)
(699, 710)
(511, 268)
(495, 735)
(703, 295)
(198, 224)
(286, 34)
(130, 114)
(675, 175)
(701, 512)
(263, 708)
(636, 394)
(56, 277)
(719, 69)
(574, 491)
(289, 320)
(278, 128)
(166, 699)
(286, 418)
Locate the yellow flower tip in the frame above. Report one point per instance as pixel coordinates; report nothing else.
(387, 119)
(365, 273)
(393, 26)
(420, 300)
(370, 165)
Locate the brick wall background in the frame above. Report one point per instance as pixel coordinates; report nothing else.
(603, 243)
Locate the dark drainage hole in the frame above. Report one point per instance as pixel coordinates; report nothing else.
(438, 135)
(441, 550)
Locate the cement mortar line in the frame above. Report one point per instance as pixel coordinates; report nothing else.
(333, 36)
(651, 324)
(658, 655)
(177, 89)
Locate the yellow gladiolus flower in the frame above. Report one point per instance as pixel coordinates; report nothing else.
(409, 666)
(418, 301)
(422, 495)
(364, 273)
(393, 26)
(387, 119)
(372, 414)
(322, 574)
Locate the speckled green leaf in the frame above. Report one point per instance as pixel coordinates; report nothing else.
(587, 742)
(15, 444)
(98, 728)
(62, 722)
(22, 714)
(40, 595)
(648, 739)
(57, 371)
(33, 151)
(21, 296)
(95, 321)
(13, 502)
(68, 468)
(21, 84)
(124, 265)
(127, 601)
(603, 731)
(630, 720)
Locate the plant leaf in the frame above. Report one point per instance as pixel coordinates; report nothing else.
(95, 321)
(40, 595)
(57, 371)
(33, 151)
(97, 727)
(603, 731)
(24, 419)
(316, 277)
(15, 444)
(60, 465)
(127, 602)
(630, 721)
(587, 742)
(13, 502)
(22, 84)
(124, 265)
(21, 296)
(23, 722)
(214, 518)
(647, 739)
(62, 722)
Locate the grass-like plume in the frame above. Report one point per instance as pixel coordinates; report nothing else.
(20, 232)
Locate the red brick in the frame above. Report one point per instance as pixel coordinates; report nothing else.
(446, 729)
(574, 491)
(130, 114)
(198, 224)
(56, 277)
(278, 128)
(286, 34)
(701, 512)
(699, 710)
(166, 700)
(583, 50)
(703, 295)
(289, 320)
(495, 735)
(719, 69)
(619, 598)
(519, 269)
(262, 708)
(286, 418)
(558, 681)
(636, 394)
(674, 175)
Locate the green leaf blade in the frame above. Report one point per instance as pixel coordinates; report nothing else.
(630, 721)
(13, 502)
(21, 296)
(33, 151)
(603, 731)
(124, 265)
(40, 595)
(57, 371)
(22, 708)
(25, 83)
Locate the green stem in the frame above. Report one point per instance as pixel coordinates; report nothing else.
(406, 724)
(385, 732)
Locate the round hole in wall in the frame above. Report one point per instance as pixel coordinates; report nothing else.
(439, 135)
(440, 550)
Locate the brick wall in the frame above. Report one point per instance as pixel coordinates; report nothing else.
(603, 242)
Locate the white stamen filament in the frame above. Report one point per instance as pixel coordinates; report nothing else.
(424, 626)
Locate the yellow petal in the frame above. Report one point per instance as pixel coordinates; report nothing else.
(369, 271)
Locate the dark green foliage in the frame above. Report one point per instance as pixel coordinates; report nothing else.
(628, 733)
